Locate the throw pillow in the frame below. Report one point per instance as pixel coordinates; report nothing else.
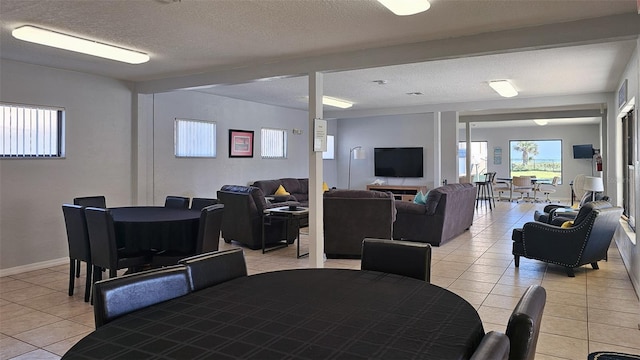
(325, 187)
(281, 191)
(420, 198)
(567, 224)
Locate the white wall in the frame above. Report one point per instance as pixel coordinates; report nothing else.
(383, 131)
(203, 177)
(570, 135)
(98, 158)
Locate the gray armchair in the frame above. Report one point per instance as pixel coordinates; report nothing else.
(586, 242)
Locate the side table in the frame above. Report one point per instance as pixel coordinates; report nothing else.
(292, 217)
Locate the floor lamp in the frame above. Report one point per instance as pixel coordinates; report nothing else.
(593, 184)
(356, 153)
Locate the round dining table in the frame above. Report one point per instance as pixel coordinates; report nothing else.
(144, 228)
(296, 314)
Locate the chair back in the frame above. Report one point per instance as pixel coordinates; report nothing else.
(77, 235)
(119, 296)
(578, 186)
(520, 182)
(524, 324)
(201, 203)
(604, 227)
(213, 268)
(411, 259)
(489, 177)
(210, 226)
(91, 201)
(494, 346)
(241, 220)
(102, 238)
(178, 202)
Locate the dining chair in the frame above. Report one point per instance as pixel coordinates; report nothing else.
(524, 323)
(98, 201)
(494, 346)
(208, 237)
(105, 253)
(522, 185)
(213, 268)
(406, 258)
(178, 202)
(201, 203)
(119, 296)
(485, 189)
(548, 189)
(79, 248)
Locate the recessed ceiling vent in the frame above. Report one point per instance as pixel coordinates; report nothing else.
(415, 93)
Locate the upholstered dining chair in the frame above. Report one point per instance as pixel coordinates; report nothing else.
(201, 203)
(215, 267)
(98, 201)
(79, 248)
(406, 258)
(208, 237)
(119, 296)
(494, 346)
(178, 202)
(105, 253)
(524, 323)
(547, 189)
(501, 187)
(522, 185)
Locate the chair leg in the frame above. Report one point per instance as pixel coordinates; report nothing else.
(72, 276)
(78, 263)
(516, 260)
(87, 285)
(595, 266)
(570, 272)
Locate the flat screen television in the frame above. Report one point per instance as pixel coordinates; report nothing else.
(398, 162)
(583, 151)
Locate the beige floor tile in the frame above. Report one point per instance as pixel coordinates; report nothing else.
(54, 299)
(615, 318)
(61, 347)
(508, 290)
(12, 285)
(69, 309)
(565, 327)
(38, 354)
(26, 322)
(614, 335)
(29, 274)
(566, 311)
(26, 293)
(567, 298)
(13, 310)
(574, 285)
(442, 281)
(629, 306)
(494, 315)
(611, 292)
(521, 281)
(52, 333)
(481, 277)
(487, 269)
(562, 346)
(11, 347)
(501, 301)
(87, 319)
(474, 298)
(470, 285)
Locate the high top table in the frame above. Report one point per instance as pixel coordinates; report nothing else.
(296, 314)
(143, 228)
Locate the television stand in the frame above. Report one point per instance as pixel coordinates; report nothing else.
(400, 192)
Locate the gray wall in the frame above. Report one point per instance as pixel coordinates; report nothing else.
(570, 135)
(98, 158)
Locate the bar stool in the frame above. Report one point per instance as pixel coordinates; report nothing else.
(485, 189)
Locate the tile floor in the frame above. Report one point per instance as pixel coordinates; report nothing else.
(596, 310)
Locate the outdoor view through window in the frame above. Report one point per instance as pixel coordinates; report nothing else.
(539, 158)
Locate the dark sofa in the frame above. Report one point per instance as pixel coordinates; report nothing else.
(448, 212)
(242, 220)
(352, 215)
(297, 188)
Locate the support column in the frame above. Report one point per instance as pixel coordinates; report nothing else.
(449, 146)
(437, 149)
(316, 235)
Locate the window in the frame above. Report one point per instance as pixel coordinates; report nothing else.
(539, 158)
(628, 168)
(194, 138)
(30, 131)
(478, 159)
(274, 144)
(330, 153)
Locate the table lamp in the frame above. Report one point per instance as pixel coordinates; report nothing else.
(593, 184)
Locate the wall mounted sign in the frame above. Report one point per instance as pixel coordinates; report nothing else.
(622, 95)
(319, 135)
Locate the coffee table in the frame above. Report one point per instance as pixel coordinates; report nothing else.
(292, 217)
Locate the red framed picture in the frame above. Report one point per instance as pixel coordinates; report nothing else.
(240, 143)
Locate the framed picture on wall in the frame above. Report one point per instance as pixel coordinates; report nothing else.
(240, 143)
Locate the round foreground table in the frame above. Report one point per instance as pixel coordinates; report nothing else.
(296, 314)
(142, 228)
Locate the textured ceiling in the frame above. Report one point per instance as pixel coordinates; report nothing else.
(205, 36)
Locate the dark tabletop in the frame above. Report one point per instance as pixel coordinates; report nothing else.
(142, 228)
(296, 314)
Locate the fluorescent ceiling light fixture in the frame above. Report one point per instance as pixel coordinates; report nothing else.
(72, 43)
(504, 88)
(339, 103)
(406, 7)
(541, 122)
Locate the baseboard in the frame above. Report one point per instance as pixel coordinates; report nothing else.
(34, 266)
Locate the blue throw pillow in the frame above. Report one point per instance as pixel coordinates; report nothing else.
(420, 198)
